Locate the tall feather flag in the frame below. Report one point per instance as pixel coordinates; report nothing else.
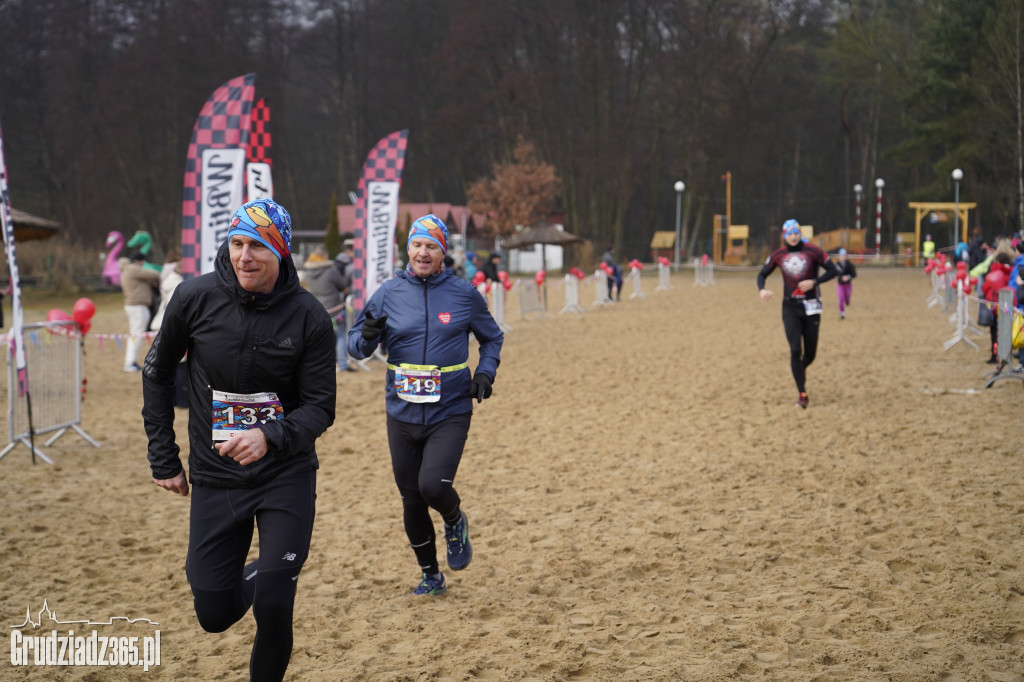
(17, 342)
(258, 179)
(377, 216)
(16, 335)
(215, 171)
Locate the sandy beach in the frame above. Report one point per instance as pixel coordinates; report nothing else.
(646, 503)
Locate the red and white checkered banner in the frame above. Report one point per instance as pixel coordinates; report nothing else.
(215, 172)
(259, 181)
(377, 216)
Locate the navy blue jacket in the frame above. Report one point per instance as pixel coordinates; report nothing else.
(429, 323)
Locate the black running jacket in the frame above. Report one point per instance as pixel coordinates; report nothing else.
(240, 342)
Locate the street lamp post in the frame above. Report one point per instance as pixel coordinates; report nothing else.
(958, 175)
(879, 183)
(679, 187)
(857, 189)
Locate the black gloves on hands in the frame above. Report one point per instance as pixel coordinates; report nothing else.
(373, 326)
(480, 388)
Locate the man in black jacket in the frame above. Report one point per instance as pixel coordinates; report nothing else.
(490, 267)
(261, 390)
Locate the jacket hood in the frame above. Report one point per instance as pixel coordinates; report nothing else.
(315, 262)
(318, 271)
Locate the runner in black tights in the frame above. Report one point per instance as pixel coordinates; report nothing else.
(425, 316)
(261, 389)
(801, 302)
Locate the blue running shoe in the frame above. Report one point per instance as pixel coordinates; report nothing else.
(460, 552)
(432, 585)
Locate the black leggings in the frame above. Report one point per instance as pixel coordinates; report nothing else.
(220, 533)
(424, 460)
(800, 327)
(993, 333)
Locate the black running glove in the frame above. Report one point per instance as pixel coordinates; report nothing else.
(373, 326)
(480, 388)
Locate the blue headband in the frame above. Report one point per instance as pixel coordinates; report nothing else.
(267, 222)
(429, 227)
(790, 227)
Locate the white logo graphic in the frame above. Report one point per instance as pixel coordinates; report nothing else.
(68, 649)
(289, 556)
(793, 265)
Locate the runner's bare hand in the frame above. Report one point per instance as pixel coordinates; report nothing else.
(178, 484)
(245, 447)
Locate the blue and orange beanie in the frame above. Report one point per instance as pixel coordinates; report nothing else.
(267, 222)
(429, 227)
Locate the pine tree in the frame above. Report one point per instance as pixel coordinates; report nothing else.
(332, 239)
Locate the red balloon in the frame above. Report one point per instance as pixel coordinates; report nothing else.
(85, 327)
(502, 276)
(704, 259)
(57, 315)
(994, 281)
(508, 284)
(479, 277)
(83, 311)
(539, 277)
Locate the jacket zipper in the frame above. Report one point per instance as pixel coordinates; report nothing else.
(248, 472)
(426, 335)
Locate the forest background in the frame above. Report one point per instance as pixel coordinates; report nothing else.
(799, 100)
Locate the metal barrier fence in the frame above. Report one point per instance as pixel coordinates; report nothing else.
(703, 272)
(601, 288)
(572, 295)
(664, 277)
(53, 354)
(1004, 340)
(638, 289)
(533, 298)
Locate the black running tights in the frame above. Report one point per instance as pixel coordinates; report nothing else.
(220, 532)
(802, 335)
(424, 460)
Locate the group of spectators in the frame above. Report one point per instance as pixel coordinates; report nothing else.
(998, 265)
